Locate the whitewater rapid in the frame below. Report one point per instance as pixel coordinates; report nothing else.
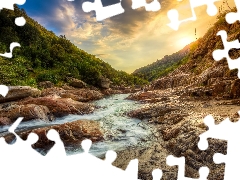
(120, 131)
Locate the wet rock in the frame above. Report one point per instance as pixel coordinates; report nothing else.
(20, 92)
(28, 111)
(60, 106)
(82, 95)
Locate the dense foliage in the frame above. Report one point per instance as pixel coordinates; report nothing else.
(163, 66)
(43, 56)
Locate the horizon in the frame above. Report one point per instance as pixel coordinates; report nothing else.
(127, 41)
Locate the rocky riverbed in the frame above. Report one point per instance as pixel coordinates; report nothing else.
(77, 114)
(148, 125)
(179, 122)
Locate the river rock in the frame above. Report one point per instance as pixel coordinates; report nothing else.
(82, 95)
(149, 96)
(77, 83)
(60, 106)
(104, 83)
(5, 121)
(20, 92)
(150, 111)
(71, 133)
(45, 84)
(28, 111)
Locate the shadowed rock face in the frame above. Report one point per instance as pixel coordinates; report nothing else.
(71, 134)
(20, 92)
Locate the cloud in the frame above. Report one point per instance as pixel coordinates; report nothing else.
(127, 41)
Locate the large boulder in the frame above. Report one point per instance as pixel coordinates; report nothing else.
(28, 111)
(20, 92)
(60, 106)
(77, 83)
(45, 84)
(104, 83)
(82, 95)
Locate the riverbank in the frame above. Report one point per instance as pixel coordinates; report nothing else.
(147, 125)
(179, 122)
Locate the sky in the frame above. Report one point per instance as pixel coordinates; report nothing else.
(128, 41)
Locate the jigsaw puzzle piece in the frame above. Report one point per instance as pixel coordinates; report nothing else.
(58, 149)
(232, 17)
(224, 53)
(173, 14)
(103, 12)
(103, 169)
(231, 135)
(215, 131)
(180, 162)
(12, 46)
(8, 4)
(153, 6)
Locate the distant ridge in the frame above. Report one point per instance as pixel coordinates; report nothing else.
(163, 66)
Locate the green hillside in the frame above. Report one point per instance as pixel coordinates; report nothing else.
(163, 66)
(43, 56)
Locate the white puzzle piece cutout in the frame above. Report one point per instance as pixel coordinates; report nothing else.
(232, 17)
(20, 21)
(8, 4)
(180, 162)
(103, 13)
(4, 90)
(173, 14)
(230, 132)
(224, 53)
(153, 6)
(12, 46)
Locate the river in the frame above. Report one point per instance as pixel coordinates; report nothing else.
(121, 131)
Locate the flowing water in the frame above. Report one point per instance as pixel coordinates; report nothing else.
(120, 130)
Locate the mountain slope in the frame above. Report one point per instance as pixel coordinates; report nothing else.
(201, 72)
(43, 56)
(163, 66)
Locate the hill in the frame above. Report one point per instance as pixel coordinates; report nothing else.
(163, 66)
(43, 56)
(198, 73)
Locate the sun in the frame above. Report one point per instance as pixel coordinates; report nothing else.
(182, 42)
